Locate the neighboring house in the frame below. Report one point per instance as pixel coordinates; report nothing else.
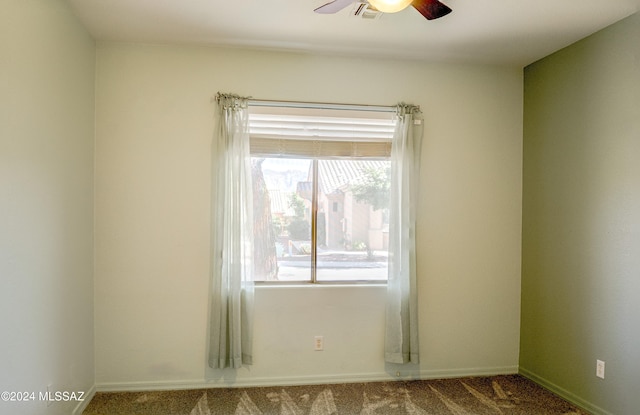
(344, 222)
(281, 210)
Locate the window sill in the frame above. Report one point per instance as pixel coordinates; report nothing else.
(346, 284)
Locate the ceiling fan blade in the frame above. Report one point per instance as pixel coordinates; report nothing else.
(333, 7)
(431, 9)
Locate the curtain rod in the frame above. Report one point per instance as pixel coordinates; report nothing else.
(318, 105)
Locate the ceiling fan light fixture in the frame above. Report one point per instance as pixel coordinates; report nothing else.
(390, 6)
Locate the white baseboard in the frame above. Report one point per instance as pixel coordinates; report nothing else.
(81, 406)
(471, 372)
(574, 399)
(300, 380)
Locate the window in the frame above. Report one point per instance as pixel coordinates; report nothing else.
(321, 194)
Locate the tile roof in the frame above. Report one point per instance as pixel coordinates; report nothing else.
(335, 174)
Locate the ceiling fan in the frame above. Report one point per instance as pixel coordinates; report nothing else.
(430, 9)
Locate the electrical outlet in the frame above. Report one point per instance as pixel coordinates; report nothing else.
(319, 343)
(600, 369)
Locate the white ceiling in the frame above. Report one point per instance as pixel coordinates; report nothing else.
(515, 32)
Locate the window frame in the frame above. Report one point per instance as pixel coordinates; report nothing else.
(376, 154)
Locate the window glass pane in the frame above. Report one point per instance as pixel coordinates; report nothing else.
(282, 219)
(353, 220)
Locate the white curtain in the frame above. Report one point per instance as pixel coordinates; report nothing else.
(230, 343)
(401, 332)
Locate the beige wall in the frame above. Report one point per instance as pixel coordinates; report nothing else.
(154, 127)
(47, 67)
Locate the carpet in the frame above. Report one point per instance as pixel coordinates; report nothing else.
(495, 395)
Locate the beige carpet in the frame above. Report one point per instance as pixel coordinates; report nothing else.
(496, 395)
